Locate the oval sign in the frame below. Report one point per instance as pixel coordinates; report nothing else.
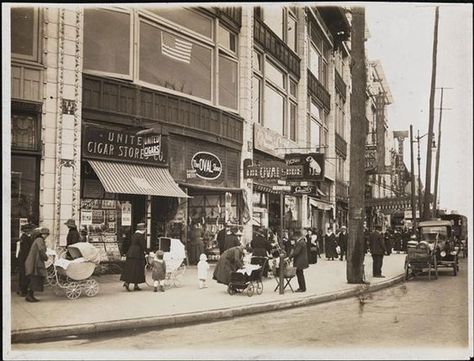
(206, 165)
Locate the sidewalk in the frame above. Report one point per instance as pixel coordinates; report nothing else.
(114, 309)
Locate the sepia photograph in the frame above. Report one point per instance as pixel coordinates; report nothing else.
(237, 181)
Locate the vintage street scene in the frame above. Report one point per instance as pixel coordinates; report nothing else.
(288, 181)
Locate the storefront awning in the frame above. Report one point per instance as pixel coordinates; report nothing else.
(318, 204)
(136, 179)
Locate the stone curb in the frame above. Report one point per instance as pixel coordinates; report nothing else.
(196, 317)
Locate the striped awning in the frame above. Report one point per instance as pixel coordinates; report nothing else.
(136, 179)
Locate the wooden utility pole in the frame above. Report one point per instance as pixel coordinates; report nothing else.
(435, 203)
(355, 246)
(412, 181)
(420, 199)
(427, 198)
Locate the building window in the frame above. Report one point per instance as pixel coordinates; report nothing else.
(339, 115)
(107, 42)
(274, 75)
(315, 133)
(274, 109)
(24, 132)
(24, 33)
(175, 62)
(293, 121)
(178, 51)
(256, 99)
(282, 21)
(318, 136)
(340, 168)
(318, 56)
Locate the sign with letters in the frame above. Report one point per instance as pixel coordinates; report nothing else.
(206, 165)
(311, 163)
(124, 146)
(272, 170)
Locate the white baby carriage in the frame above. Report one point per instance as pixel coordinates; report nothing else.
(73, 276)
(174, 256)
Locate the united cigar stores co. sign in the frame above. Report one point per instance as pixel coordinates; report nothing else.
(205, 165)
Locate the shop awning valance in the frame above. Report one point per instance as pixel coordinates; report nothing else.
(136, 179)
(318, 204)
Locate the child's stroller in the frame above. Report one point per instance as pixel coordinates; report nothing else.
(174, 256)
(73, 276)
(248, 279)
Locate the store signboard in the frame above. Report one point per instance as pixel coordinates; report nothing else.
(272, 170)
(86, 217)
(270, 142)
(312, 164)
(126, 214)
(408, 214)
(124, 146)
(207, 165)
(282, 188)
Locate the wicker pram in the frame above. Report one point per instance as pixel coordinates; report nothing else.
(73, 275)
(242, 281)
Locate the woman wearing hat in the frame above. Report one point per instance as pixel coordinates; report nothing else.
(232, 240)
(35, 268)
(25, 246)
(134, 268)
(73, 235)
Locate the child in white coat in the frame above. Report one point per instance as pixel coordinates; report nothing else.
(202, 267)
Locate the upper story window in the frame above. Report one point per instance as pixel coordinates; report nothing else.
(318, 127)
(318, 56)
(179, 50)
(25, 33)
(107, 42)
(339, 114)
(282, 21)
(274, 97)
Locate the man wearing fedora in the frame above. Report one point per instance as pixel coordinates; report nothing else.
(25, 243)
(73, 235)
(134, 267)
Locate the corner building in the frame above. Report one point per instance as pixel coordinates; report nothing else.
(209, 90)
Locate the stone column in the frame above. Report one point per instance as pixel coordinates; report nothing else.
(245, 102)
(61, 126)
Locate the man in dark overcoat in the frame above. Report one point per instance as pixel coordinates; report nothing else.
(342, 242)
(377, 249)
(299, 255)
(221, 236)
(232, 240)
(25, 243)
(134, 267)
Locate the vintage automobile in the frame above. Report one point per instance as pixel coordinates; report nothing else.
(459, 224)
(439, 234)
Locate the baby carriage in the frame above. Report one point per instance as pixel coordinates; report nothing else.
(174, 256)
(73, 276)
(247, 279)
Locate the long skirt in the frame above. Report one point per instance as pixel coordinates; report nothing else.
(312, 255)
(133, 271)
(36, 283)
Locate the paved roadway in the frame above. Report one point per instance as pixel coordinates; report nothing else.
(419, 313)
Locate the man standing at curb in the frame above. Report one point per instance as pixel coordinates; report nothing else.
(300, 259)
(342, 242)
(377, 249)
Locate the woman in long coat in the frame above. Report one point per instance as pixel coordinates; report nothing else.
(230, 261)
(197, 245)
(330, 245)
(134, 267)
(35, 268)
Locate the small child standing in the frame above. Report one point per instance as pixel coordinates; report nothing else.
(159, 271)
(202, 267)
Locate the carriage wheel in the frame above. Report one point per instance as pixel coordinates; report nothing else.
(73, 290)
(91, 287)
(230, 290)
(259, 288)
(148, 276)
(250, 289)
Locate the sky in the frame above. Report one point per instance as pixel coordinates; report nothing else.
(401, 37)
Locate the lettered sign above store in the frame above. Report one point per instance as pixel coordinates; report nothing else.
(206, 165)
(124, 146)
(312, 163)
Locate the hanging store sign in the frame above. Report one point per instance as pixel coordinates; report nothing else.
(311, 163)
(303, 189)
(272, 170)
(270, 142)
(207, 165)
(126, 214)
(123, 146)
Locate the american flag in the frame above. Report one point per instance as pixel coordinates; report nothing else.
(175, 48)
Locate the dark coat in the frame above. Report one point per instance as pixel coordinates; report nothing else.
(231, 241)
(25, 245)
(196, 245)
(331, 245)
(377, 244)
(260, 246)
(221, 235)
(159, 270)
(73, 236)
(134, 267)
(299, 254)
(342, 241)
(230, 261)
(34, 264)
